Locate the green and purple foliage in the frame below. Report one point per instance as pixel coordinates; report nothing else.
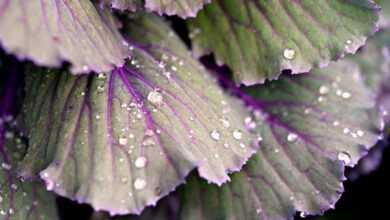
(108, 103)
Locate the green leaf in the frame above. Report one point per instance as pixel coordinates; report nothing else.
(121, 141)
(49, 32)
(258, 39)
(20, 199)
(305, 145)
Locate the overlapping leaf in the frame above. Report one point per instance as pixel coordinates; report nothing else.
(120, 141)
(311, 126)
(374, 62)
(49, 32)
(20, 199)
(258, 39)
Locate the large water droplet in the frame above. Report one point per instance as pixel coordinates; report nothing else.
(323, 90)
(139, 184)
(155, 97)
(289, 53)
(360, 133)
(140, 162)
(215, 135)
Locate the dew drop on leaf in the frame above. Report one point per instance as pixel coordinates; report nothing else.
(140, 162)
(291, 137)
(122, 141)
(225, 122)
(237, 134)
(139, 184)
(323, 90)
(289, 53)
(155, 97)
(215, 135)
(346, 95)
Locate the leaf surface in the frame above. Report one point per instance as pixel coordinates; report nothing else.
(305, 145)
(121, 141)
(21, 199)
(258, 39)
(374, 62)
(51, 31)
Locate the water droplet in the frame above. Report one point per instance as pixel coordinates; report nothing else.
(258, 211)
(336, 123)
(323, 90)
(14, 186)
(139, 184)
(155, 97)
(6, 166)
(148, 142)
(122, 141)
(344, 157)
(215, 135)
(225, 122)
(349, 41)
(140, 162)
(346, 130)
(302, 214)
(360, 133)
(124, 180)
(320, 99)
(9, 135)
(85, 68)
(291, 137)
(346, 95)
(97, 117)
(237, 134)
(289, 54)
